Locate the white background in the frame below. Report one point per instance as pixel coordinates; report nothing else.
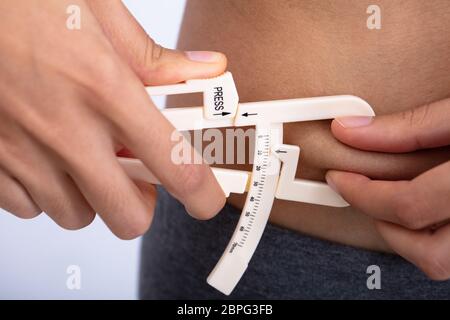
(34, 254)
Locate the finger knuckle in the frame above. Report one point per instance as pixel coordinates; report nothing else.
(46, 134)
(115, 200)
(57, 138)
(436, 263)
(136, 228)
(105, 79)
(25, 212)
(408, 211)
(153, 54)
(190, 178)
(68, 217)
(19, 206)
(418, 118)
(107, 69)
(76, 222)
(112, 198)
(56, 210)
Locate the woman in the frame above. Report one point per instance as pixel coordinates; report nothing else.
(293, 49)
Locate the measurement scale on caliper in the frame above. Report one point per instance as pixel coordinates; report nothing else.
(274, 165)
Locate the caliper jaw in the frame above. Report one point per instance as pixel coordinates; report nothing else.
(220, 97)
(301, 190)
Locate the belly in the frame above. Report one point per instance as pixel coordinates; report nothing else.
(293, 49)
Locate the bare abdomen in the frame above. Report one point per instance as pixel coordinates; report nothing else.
(292, 49)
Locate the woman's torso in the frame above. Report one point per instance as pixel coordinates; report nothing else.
(293, 49)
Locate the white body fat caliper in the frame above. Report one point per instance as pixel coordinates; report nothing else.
(274, 165)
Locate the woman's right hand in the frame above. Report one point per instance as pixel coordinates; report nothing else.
(70, 99)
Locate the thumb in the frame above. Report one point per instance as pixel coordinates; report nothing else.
(420, 128)
(153, 64)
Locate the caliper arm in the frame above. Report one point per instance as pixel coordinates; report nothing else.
(266, 181)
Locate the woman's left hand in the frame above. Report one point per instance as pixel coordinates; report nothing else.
(412, 216)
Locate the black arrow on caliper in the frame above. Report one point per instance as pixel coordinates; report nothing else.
(281, 151)
(222, 114)
(249, 114)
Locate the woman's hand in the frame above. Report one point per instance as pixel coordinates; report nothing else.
(70, 99)
(412, 216)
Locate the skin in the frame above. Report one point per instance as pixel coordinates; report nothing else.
(72, 98)
(292, 49)
(415, 221)
(67, 113)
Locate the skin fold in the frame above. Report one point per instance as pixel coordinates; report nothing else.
(294, 49)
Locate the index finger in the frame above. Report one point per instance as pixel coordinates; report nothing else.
(147, 134)
(415, 204)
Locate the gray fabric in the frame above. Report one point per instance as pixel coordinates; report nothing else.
(179, 252)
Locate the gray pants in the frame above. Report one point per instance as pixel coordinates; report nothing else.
(179, 252)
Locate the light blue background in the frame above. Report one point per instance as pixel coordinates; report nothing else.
(34, 254)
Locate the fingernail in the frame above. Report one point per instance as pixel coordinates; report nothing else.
(331, 183)
(354, 122)
(204, 56)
